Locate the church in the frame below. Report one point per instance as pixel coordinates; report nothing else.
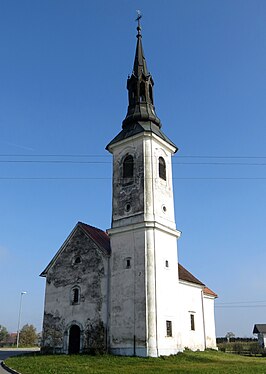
(123, 290)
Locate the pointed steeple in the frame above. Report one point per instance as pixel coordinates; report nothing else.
(140, 66)
(141, 116)
(140, 89)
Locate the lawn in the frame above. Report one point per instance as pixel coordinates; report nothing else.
(187, 362)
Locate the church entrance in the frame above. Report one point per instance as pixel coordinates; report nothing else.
(74, 339)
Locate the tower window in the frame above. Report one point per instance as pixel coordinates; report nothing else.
(77, 260)
(166, 263)
(128, 167)
(142, 92)
(150, 93)
(169, 328)
(162, 168)
(192, 322)
(131, 96)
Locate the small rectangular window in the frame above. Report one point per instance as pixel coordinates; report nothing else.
(128, 263)
(168, 328)
(166, 264)
(192, 322)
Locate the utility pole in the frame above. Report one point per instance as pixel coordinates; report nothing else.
(19, 315)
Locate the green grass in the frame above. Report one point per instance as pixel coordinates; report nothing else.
(187, 362)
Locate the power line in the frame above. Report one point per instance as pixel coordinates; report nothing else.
(109, 156)
(221, 163)
(241, 302)
(54, 155)
(109, 178)
(110, 162)
(55, 178)
(53, 162)
(218, 157)
(239, 306)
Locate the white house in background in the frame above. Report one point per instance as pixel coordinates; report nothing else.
(123, 291)
(260, 330)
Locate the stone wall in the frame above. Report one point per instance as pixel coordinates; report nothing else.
(88, 274)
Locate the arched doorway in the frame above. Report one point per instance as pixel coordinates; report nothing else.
(74, 339)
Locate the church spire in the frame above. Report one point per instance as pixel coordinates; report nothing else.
(140, 89)
(141, 116)
(140, 66)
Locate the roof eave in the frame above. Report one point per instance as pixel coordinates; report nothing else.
(188, 283)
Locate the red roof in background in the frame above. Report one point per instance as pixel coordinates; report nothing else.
(100, 237)
(208, 291)
(185, 275)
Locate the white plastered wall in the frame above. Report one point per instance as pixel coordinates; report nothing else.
(191, 304)
(167, 289)
(210, 335)
(128, 297)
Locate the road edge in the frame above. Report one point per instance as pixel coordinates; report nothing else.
(12, 371)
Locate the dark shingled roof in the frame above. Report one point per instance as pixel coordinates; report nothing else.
(98, 236)
(141, 116)
(138, 127)
(259, 328)
(185, 275)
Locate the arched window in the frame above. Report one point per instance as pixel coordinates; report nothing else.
(75, 295)
(128, 167)
(162, 168)
(150, 93)
(131, 97)
(142, 96)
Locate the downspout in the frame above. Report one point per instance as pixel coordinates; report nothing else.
(107, 342)
(203, 320)
(134, 310)
(155, 273)
(156, 318)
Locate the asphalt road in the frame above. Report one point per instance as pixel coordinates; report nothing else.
(5, 353)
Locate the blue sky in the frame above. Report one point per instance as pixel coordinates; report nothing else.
(63, 71)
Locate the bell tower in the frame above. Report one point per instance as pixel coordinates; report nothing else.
(144, 264)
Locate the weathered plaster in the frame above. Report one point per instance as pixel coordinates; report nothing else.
(138, 308)
(126, 299)
(90, 276)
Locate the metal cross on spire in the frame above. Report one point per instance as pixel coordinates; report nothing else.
(139, 16)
